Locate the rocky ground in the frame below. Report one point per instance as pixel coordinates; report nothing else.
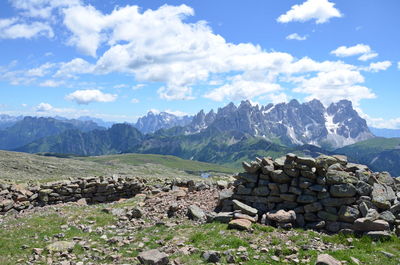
(170, 227)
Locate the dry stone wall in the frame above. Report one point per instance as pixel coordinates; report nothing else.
(97, 189)
(326, 193)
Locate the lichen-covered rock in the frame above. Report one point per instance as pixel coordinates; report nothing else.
(348, 214)
(339, 177)
(343, 190)
(382, 195)
(61, 246)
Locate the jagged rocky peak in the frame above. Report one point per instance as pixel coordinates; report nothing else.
(154, 121)
(293, 122)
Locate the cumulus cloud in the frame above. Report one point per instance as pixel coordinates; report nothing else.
(44, 107)
(14, 29)
(335, 85)
(242, 88)
(393, 123)
(320, 10)
(359, 49)
(91, 95)
(73, 68)
(160, 46)
(295, 36)
(378, 66)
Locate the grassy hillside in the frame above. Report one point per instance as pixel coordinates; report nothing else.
(381, 154)
(22, 167)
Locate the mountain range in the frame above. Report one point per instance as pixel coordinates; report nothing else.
(226, 136)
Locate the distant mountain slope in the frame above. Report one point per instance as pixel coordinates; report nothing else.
(163, 120)
(387, 133)
(380, 154)
(8, 121)
(30, 129)
(117, 139)
(292, 123)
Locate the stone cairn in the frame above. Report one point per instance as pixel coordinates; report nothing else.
(326, 193)
(93, 190)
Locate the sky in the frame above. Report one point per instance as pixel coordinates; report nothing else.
(116, 60)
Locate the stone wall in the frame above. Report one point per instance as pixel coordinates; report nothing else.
(18, 197)
(326, 193)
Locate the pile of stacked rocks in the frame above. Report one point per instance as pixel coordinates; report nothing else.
(326, 193)
(96, 189)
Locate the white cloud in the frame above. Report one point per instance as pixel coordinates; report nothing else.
(364, 50)
(398, 65)
(89, 96)
(393, 123)
(176, 112)
(138, 86)
(295, 36)
(51, 83)
(335, 85)
(242, 88)
(135, 100)
(74, 67)
(160, 46)
(44, 107)
(13, 29)
(277, 98)
(320, 10)
(40, 71)
(378, 66)
(344, 51)
(41, 8)
(367, 56)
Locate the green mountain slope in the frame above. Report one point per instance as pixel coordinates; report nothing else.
(117, 139)
(31, 129)
(380, 154)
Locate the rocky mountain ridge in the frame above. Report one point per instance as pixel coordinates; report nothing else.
(152, 121)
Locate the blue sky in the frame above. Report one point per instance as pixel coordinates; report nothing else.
(117, 60)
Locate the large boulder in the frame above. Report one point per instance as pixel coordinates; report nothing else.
(244, 208)
(325, 161)
(382, 195)
(279, 176)
(240, 224)
(153, 257)
(385, 178)
(343, 190)
(196, 213)
(339, 177)
(325, 259)
(61, 246)
(282, 216)
(348, 214)
(365, 224)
